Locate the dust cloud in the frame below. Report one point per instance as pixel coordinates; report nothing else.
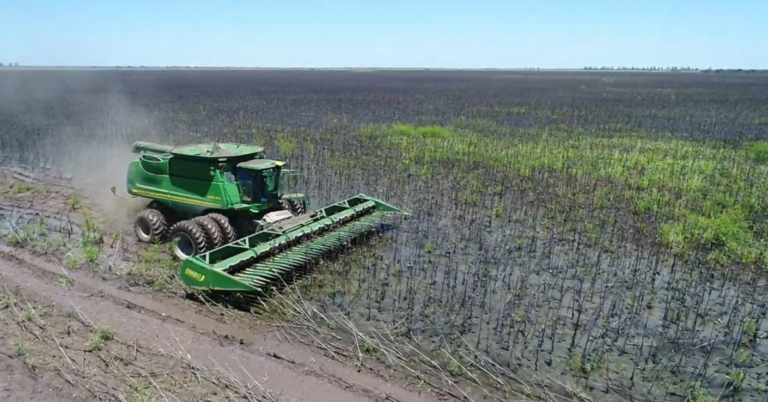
(97, 160)
(81, 124)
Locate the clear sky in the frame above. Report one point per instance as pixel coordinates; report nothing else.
(386, 33)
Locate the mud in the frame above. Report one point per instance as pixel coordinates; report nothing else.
(22, 384)
(158, 341)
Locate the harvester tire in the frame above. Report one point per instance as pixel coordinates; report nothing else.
(227, 231)
(294, 207)
(190, 237)
(150, 226)
(212, 231)
(170, 216)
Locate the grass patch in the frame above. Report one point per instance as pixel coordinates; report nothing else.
(701, 196)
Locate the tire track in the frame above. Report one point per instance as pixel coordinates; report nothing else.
(347, 383)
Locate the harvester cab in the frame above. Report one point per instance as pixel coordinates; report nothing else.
(259, 181)
(234, 225)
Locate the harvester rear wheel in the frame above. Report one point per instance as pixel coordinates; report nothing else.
(190, 239)
(227, 231)
(150, 226)
(212, 231)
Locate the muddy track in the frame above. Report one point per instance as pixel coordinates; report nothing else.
(289, 371)
(59, 346)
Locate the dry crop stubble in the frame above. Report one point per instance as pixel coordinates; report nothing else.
(56, 350)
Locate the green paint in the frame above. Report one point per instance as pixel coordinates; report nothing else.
(240, 183)
(198, 178)
(249, 260)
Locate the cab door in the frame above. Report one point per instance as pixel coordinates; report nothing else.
(245, 181)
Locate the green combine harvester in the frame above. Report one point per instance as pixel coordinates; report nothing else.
(232, 225)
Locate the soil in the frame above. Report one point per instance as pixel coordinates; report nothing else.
(89, 334)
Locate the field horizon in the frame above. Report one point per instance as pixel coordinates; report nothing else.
(532, 69)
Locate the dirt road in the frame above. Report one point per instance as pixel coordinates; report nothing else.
(71, 335)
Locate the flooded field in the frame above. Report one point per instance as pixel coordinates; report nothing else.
(570, 235)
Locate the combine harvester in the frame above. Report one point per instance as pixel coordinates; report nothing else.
(234, 229)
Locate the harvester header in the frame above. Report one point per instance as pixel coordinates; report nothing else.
(235, 223)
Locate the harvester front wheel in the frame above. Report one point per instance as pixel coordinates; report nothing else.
(294, 207)
(212, 231)
(227, 231)
(189, 239)
(170, 216)
(150, 226)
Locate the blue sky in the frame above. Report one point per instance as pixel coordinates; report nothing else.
(387, 33)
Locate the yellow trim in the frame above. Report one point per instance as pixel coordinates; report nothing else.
(174, 198)
(194, 275)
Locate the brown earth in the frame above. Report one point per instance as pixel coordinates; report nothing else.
(89, 334)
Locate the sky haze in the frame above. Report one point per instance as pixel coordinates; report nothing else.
(392, 33)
